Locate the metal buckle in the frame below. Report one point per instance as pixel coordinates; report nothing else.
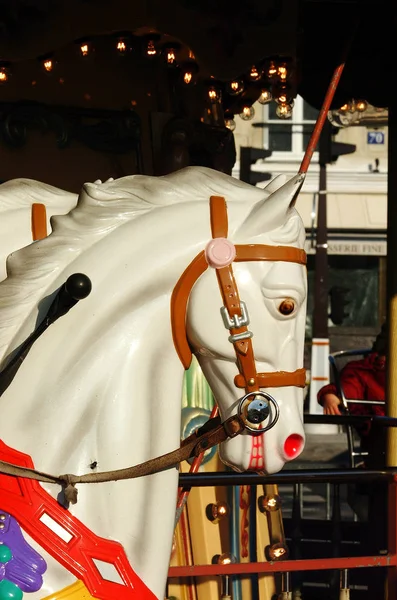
(235, 322)
(266, 400)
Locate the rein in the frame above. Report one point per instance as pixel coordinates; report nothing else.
(254, 407)
(210, 434)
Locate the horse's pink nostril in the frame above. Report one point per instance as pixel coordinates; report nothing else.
(293, 445)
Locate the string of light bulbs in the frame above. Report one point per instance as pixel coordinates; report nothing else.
(270, 77)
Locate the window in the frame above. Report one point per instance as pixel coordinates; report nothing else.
(288, 138)
(358, 274)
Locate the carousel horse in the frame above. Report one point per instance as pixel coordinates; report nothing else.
(100, 389)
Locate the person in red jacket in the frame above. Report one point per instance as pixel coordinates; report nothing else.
(365, 379)
(360, 379)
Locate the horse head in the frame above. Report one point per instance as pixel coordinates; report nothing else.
(268, 267)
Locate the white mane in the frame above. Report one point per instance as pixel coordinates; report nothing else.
(19, 193)
(102, 208)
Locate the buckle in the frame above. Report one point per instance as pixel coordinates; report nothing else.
(235, 322)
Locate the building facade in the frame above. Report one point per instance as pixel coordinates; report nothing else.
(356, 207)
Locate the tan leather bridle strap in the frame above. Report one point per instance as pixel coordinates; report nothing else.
(231, 301)
(277, 379)
(219, 224)
(179, 300)
(249, 252)
(229, 291)
(39, 221)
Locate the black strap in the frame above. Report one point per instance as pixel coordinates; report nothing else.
(75, 288)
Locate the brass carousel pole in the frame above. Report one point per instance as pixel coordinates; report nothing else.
(391, 379)
(391, 389)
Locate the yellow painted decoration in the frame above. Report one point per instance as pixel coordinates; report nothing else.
(76, 591)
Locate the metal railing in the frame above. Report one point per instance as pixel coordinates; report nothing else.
(299, 477)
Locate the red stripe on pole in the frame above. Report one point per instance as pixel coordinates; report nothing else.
(329, 96)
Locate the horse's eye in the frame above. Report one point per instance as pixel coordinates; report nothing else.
(287, 306)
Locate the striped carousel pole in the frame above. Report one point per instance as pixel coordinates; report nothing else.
(320, 339)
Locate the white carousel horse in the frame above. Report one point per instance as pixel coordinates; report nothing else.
(101, 388)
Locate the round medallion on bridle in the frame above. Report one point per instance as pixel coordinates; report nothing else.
(220, 252)
(256, 408)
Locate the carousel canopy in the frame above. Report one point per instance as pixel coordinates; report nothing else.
(224, 38)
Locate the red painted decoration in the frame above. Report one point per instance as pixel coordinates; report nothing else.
(27, 501)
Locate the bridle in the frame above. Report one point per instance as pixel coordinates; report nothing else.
(254, 406)
(220, 253)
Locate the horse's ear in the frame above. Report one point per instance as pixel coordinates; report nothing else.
(270, 213)
(276, 183)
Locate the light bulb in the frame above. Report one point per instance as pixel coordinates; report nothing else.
(254, 74)
(285, 99)
(277, 551)
(230, 124)
(235, 87)
(4, 75)
(214, 95)
(265, 97)
(272, 70)
(247, 113)
(346, 115)
(187, 77)
(122, 46)
(217, 511)
(170, 52)
(189, 70)
(84, 49)
(226, 559)
(151, 49)
(284, 111)
(48, 64)
(269, 503)
(282, 71)
(361, 105)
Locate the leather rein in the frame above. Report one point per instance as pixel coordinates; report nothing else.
(219, 254)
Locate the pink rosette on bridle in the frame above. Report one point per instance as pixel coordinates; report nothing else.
(220, 252)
